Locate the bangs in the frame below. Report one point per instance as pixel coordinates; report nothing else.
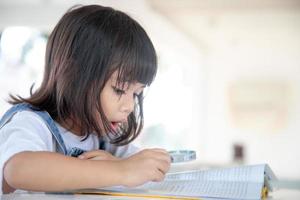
(136, 66)
(134, 57)
(135, 71)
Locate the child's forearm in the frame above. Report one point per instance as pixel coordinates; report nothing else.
(46, 171)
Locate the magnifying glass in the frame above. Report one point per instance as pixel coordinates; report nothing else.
(182, 155)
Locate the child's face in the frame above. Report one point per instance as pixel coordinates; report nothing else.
(118, 102)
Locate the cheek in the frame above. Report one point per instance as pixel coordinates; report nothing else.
(109, 105)
(104, 104)
(107, 108)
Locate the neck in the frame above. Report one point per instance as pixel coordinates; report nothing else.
(71, 126)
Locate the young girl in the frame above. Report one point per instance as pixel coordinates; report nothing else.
(68, 134)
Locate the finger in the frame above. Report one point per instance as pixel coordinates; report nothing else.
(155, 152)
(164, 167)
(100, 158)
(162, 155)
(104, 157)
(91, 154)
(159, 176)
(160, 150)
(87, 155)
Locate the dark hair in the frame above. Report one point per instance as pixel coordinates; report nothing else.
(86, 47)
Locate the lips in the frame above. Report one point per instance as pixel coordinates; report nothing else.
(115, 125)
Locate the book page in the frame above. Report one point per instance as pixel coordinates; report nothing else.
(218, 189)
(251, 173)
(244, 182)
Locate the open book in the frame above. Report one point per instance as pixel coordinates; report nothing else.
(242, 182)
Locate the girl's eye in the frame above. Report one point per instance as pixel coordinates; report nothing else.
(118, 91)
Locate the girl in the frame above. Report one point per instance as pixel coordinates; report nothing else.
(68, 134)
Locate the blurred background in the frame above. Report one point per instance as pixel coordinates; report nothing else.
(229, 74)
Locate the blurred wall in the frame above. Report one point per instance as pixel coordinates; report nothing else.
(228, 75)
(250, 52)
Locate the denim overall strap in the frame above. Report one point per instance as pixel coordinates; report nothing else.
(75, 151)
(44, 115)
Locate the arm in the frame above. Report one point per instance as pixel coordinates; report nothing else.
(46, 171)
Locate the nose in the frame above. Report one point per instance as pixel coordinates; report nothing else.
(127, 105)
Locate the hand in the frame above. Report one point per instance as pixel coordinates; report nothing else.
(97, 155)
(146, 165)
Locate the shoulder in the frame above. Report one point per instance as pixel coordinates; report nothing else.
(27, 125)
(26, 119)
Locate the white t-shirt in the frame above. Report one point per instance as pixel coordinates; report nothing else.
(27, 131)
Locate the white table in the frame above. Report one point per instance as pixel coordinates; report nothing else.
(284, 194)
